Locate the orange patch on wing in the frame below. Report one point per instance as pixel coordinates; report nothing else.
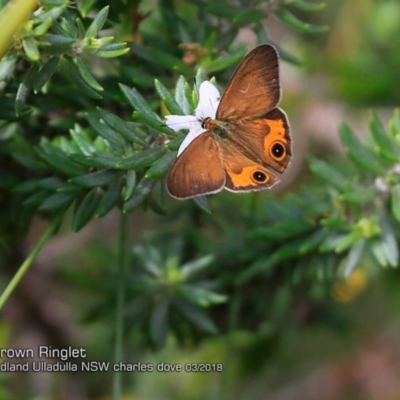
(277, 132)
(244, 178)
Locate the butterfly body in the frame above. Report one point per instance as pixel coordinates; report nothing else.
(248, 137)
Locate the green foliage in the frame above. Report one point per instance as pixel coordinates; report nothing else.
(161, 290)
(55, 44)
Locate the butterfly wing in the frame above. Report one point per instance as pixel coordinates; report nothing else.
(254, 150)
(254, 88)
(198, 170)
(244, 174)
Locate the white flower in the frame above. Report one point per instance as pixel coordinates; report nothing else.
(207, 108)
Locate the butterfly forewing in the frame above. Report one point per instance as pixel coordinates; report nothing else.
(254, 87)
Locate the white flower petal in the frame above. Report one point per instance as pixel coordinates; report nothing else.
(208, 100)
(207, 108)
(178, 122)
(193, 133)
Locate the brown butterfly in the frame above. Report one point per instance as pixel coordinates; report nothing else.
(248, 138)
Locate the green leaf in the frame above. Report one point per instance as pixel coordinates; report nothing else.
(27, 186)
(142, 159)
(202, 202)
(155, 205)
(57, 201)
(193, 267)
(222, 63)
(283, 230)
(97, 23)
(353, 258)
(130, 184)
(53, 3)
(51, 183)
(155, 123)
(379, 253)
(115, 140)
(73, 74)
(110, 199)
(169, 100)
(181, 96)
(395, 123)
(54, 12)
(79, 31)
(381, 138)
(396, 202)
(326, 172)
(223, 10)
(136, 100)
(169, 61)
(100, 159)
(347, 241)
(85, 6)
(138, 75)
(95, 179)
(288, 18)
(388, 156)
(195, 315)
(81, 159)
(36, 199)
(330, 242)
(189, 98)
(86, 74)
(7, 66)
(304, 6)
(159, 322)
(312, 242)
(121, 126)
(288, 250)
(82, 140)
(161, 166)
(58, 40)
(69, 188)
(359, 153)
(58, 44)
(85, 210)
(199, 79)
(260, 266)
(200, 295)
(359, 196)
(112, 50)
(175, 143)
(140, 192)
(25, 88)
(31, 49)
(247, 17)
(389, 243)
(58, 161)
(45, 73)
(42, 28)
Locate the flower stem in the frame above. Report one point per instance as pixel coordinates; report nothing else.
(31, 257)
(119, 317)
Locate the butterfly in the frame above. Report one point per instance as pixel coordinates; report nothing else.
(248, 139)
